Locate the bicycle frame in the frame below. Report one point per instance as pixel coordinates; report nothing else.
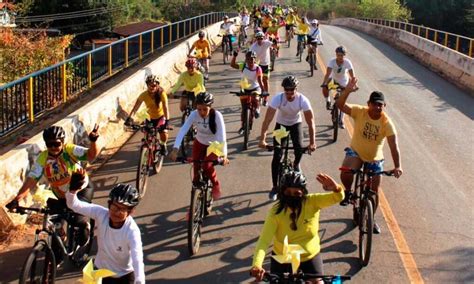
(300, 277)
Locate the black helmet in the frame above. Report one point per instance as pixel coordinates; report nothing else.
(201, 34)
(124, 194)
(290, 82)
(54, 133)
(293, 179)
(250, 54)
(341, 49)
(152, 79)
(205, 98)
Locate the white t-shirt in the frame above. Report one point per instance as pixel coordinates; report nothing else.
(228, 28)
(263, 52)
(340, 74)
(119, 250)
(204, 134)
(251, 75)
(289, 112)
(245, 20)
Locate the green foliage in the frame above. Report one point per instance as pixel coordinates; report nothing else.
(384, 9)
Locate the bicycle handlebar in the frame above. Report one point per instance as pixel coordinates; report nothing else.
(186, 160)
(272, 277)
(240, 94)
(305, 150)
(144, 127)
(23, 210)
(370, 173)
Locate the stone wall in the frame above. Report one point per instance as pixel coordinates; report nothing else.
(109, 110)
(456, 67)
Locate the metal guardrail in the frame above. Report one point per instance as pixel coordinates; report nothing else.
(24, 100)
(456, 42)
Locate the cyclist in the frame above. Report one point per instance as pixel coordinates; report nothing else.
(244, 21)
(340, 70)
(119, 242)
(371, 127)
(210, 127)
(228, 28)
(278, 11)
(192, 80)
(301, 31)
(289, 105)
(203, 48)
(314, 38)
(156, 102)
(289, 23)
(262, 48)
(57, 164)
(252, 73)
(273, 35)
(266, 21)
(296, 216)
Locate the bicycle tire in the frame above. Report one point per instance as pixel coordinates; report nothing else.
(29, 269)
(366, 230)
(311, 65)
(224, 53)
(142, 170)
(186, 138)
(272, 59)
(300, 50)
(241, 40)
(356, 200)
(289, 40)
(158, 164)
(209, 199)
(246, 127)
(335, 121)
(195, 221)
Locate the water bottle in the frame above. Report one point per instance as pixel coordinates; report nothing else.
(337, 280)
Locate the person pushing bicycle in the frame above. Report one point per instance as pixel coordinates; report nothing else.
(156, 102)
(371, 127)
(289, 104)
(119, 243)
(57, 163)
(295, 216)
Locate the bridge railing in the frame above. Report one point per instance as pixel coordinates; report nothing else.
(456, 42)
(24, 100)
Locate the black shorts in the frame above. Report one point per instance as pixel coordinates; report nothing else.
(312, 266)
(309, 41)
(288, 27)
(265, 70)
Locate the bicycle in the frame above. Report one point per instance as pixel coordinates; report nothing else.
(273, 53)
(40, 265)
(242, 36)
(301, 45)
(201, 203)
(225, 47)
(301, 277)
(312, 56)
(363, 200)
(150, 156)
(248, 112)
(184, 116)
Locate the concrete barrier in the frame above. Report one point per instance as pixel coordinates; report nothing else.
(108, 110)
(456, 67)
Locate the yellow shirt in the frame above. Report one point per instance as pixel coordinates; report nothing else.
(277, 226)
(266, 22)
(369, 135)
(302, 27)
(153, 110)
(290, 19)
(190, 82)
(203, 46)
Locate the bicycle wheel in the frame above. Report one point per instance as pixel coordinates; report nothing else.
(300, 50)
(272, 59)
(195, 221)
(209, 199)
(288, 39)
(158, 163)
(40, 265)
(142, 169)
(224, 53)
(241, 40)
(335, 121)
(366, 229)
(311, 65)
(246, 127)
(186, 138)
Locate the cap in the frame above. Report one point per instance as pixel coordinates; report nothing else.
(377, 97)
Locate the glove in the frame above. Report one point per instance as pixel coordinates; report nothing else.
(77, 181)
(93, 136)
(235, 53)
(12, 205)
(324, 86)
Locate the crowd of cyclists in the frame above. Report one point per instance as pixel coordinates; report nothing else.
(295, 214)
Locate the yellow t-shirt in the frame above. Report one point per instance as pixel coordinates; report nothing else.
(153, 110)
(190, 82)
(203, 46)
(290, 19)
(277, 226)
(369, 135)
(266, 22)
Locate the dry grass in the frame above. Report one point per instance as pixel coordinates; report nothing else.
(21, 233)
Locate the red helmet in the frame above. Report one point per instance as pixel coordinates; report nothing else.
(191, 62)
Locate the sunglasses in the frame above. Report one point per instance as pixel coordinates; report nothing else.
(259, 38)
(55, 144)
(293, 221)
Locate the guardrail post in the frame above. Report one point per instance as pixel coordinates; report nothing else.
(419, 30)
(470, 48)
(126, 53)
(411, 28)
(30, 99)
(152, 41)
(457, 43)
(170, 32)
(89, 70)
(427, 32)
(110, 60)
(161, 36)
(140, 47)
(200, 20)
(446, 39)
(189, 27)
(63, 82)
(436, 36)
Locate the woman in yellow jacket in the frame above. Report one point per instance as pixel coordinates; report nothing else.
(296, 216)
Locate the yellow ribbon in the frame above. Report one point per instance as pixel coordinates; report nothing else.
(244, 84)
(198, 53)
(291, 254)
(91, 276)
(216, 148)
(280, 133)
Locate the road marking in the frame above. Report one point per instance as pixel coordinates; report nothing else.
(403, 250)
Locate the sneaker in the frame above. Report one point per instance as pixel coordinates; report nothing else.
(265, 103)
(347, 197)
(273, 194)
(163, 150)
(257, 113)
(328, 105)
(216, 191)
(206, 77)
(377, 228)
(241, 131)
(297, 54)
(341, 125)
(315, 67)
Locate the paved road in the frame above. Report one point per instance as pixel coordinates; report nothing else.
(429, 203)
